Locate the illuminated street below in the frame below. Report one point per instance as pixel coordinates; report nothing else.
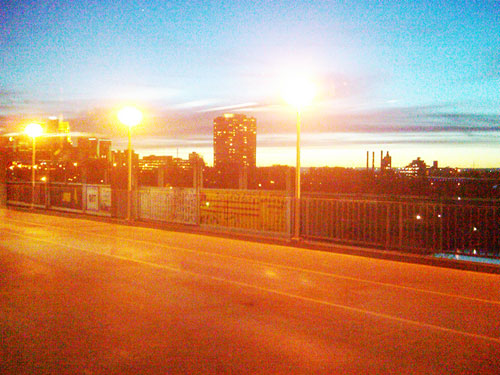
(88, 297)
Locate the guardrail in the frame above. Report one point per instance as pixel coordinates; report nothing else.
(79, 198)
(423, 227)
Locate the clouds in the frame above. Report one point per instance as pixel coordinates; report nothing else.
(9, 100)
(418, 119)
(394, 127)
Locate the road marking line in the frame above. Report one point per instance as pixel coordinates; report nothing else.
(277, 292)
(261, 263)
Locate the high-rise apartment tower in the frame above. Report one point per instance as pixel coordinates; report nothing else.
(235, 141)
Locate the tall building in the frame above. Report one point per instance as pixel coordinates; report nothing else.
(52, 125)
(59, 134)
(417, 168)
(105, 149)
(87, 148)
(56, 125)
(385, 162)
(235, 142)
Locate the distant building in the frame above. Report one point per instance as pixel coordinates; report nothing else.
(119, 170)
(166, 170)
(235, 142)
(105, 149)
(152, 162)
(417, 168)
(196, 159)
(385, 162)
(85, 161)
(53, 145)
(120, 158)
(59, 130)
(92, 148)
(87, 148)
(52, 125)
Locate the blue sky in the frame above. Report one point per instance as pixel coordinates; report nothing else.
(417, 78)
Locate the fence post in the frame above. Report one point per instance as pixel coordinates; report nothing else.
(288, 216)
(198, 185)
(388, 226)
(306, 202)
(84, 198)
(400, 225)
(47, 194)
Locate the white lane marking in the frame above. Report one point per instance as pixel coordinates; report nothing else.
(261, 263)
(277, 292)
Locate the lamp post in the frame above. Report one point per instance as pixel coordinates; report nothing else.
(129, 116)
(298, 94)
(33, 130)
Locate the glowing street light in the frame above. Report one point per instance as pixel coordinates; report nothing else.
(299, 94)
(129, 116)
(33, 130)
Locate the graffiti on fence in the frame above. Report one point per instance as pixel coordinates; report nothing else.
(245, 210)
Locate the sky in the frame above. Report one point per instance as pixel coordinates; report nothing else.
(415, 78)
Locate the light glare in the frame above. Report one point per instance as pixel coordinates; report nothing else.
(299, 93)
(130, 116)
(33, 130)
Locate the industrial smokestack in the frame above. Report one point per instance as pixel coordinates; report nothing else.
(367, 160)
(373, 160)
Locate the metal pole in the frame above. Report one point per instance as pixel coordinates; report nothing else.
(129, 188)
(296, 233)
(33, 159)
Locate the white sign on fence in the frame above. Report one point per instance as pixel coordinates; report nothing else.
(92, 198)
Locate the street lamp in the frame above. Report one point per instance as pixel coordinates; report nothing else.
(298, 94)
(129, 116)
(33, 130)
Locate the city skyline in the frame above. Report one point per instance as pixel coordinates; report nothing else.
(204, 146)
(416, 79)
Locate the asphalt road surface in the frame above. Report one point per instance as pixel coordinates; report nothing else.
(86, 297)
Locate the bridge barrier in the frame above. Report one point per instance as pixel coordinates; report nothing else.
(423, 227)
(79, 198)
(23, 194)
(417, 227)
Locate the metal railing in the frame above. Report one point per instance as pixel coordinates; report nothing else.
(416, 226)
(79, 198)
(20, 194)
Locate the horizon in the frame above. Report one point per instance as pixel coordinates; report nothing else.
(341, 149)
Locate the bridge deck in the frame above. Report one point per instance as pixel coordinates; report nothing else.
(80, 296)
